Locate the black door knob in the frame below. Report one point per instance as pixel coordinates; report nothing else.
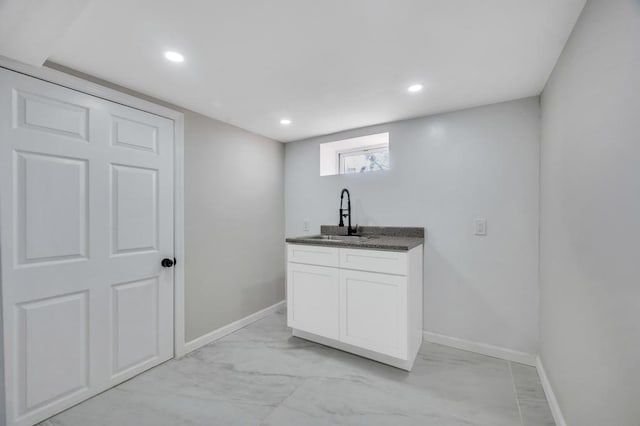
(168, 263)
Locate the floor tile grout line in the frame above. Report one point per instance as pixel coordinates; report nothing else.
(515, 391)
(281, 403)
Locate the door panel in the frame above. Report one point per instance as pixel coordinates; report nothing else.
(135, 307)
(41, 345)
(86, 216)
(134, 198)
(58, 232)
(313, 299)
(51, 115)
(374, 311)
(134, 135)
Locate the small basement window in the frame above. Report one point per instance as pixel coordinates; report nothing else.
(356, 155)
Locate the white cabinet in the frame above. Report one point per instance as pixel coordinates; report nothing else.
(388, 262)
(314, 299)
(313, 255)
(368, 302)
(373, 311)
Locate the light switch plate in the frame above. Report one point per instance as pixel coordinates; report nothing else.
(480, 226)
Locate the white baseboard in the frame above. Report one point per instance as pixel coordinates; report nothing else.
(551, 396)
(481, 348)
(219, 333)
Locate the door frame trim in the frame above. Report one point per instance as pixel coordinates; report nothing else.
(84, 86)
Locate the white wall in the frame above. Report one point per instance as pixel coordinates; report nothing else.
(447, 170)
(234, 223)
(590, 219)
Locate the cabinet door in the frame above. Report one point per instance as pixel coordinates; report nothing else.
(373, 312)
(313, 294)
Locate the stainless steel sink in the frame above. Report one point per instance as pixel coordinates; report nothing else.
(339, 238)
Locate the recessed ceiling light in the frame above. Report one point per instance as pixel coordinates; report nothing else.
(414, 88)
(174, 56)
(285, 121)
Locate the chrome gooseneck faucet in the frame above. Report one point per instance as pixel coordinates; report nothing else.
(350, 231)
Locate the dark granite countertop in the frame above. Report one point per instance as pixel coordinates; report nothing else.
(367, 237)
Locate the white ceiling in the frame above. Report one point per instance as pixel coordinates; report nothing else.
(328, 65)
(29, 29)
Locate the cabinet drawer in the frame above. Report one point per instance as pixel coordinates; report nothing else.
(388, 262)
(313, 255)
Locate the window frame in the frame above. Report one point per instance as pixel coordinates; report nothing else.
(341, 155)
(330, 153)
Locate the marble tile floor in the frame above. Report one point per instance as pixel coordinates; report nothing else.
(261, 375)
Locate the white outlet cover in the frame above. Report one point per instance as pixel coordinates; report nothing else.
(480, 226)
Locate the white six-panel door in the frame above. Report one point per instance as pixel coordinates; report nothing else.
(86, 216)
